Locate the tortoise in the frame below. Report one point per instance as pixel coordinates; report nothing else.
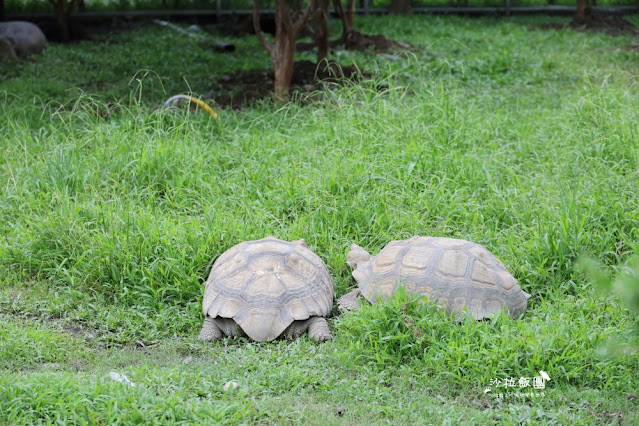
(266, 289)
(456, 274)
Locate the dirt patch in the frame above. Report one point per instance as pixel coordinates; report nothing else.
(240, 89)
(378, 42)
(595, 22)
(77, 331)
(612, 25)
(358, 41)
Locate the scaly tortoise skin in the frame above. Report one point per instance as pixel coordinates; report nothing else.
(267, 289)
(455, 274)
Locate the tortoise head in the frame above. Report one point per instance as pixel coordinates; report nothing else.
(301, 242)
(357, 255)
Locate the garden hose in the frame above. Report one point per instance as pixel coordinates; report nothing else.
(191, 99)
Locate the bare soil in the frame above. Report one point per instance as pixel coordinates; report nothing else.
(612, 25)
(595, 22)
(377, 42)
(241, 89)
(358, 41)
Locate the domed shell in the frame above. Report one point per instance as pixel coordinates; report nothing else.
(455, 274)
(267, 284)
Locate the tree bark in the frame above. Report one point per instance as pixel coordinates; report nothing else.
(283, 54)
(284, 57)
(62, 20)
(401, 7)
(347, 16)
(581, 9)
(63, 11)
(282, 51)
(321, 35)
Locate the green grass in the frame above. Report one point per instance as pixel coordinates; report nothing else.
(113, 209)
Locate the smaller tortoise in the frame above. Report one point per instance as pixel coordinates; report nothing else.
(455, 274)
(267, 289)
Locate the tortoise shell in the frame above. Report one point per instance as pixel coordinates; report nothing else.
(455, 274)
(267, 284)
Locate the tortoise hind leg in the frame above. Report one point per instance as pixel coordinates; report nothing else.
(317, 329)
(229, 327)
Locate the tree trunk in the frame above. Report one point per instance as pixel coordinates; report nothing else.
(283, 66)
(63, 11)
(63, 21)
(282, 52)
(581, 9)
(347, 16)
(401, 7)
(2, 18)
(321, 36)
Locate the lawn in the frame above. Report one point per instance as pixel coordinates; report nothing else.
(113, 209)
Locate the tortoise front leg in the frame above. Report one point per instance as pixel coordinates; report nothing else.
(349, 301)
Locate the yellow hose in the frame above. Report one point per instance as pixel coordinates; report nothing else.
(191, 99)
(204, 106)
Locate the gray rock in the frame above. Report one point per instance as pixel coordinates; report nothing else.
(24, 38)
(230, 386)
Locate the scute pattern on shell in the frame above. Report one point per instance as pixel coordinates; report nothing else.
(452, 273)
(267, 284)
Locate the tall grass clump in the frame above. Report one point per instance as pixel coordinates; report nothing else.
(563, 340)
(117, 228)
(625, 284)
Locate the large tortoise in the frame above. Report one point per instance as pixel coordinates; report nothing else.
(455, 274)
(267, 289)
